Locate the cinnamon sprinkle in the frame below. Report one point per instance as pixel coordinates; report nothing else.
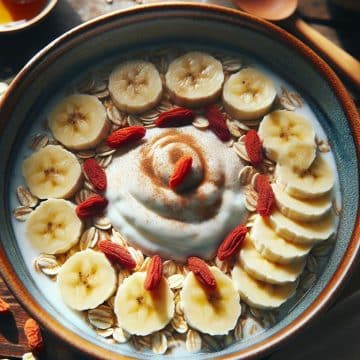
(174, 136)
(175, 155)
(177, 209)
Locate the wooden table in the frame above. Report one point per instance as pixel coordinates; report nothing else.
(341, 28)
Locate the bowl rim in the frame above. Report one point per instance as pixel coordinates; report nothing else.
(346, 265)
(28, 23)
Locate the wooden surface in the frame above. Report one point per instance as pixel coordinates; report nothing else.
(339, 27)
(12, 338)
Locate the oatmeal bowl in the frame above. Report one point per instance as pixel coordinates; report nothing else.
(178, 181)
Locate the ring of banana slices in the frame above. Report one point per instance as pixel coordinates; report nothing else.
(264, 272)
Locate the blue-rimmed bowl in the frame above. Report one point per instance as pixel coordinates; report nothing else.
(203, 25)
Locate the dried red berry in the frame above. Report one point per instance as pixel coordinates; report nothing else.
(217, 123)
(154, 273)
(117, 254)
(33, 335)
(266, 199)
(125, 136)
(95, 174)
(4, 306)
(181, 170)
(253, 147)
(175, 118)
(92, 206)
(202, 272)
(232, 243)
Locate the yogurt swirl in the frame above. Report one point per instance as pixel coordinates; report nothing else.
(194, 219)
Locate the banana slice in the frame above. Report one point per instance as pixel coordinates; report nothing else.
(79, 122)
(213, 312)
(302, 232)
(194, 79)
(301, 209)
(248, 94)
(86, 280)
(135, 86)
(265, 270)
(53, 227)
(316, 181)
(272, 246)
(260, 294)
(52, 172)
(142, 312)
(289, 139)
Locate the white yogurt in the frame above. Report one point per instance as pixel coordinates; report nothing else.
(176, 224)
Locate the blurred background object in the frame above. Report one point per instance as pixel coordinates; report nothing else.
(18, 15)
(19, 10)
(347, 4)
(278, 10)
(321, 14)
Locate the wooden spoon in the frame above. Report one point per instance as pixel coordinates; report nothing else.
(282, 9)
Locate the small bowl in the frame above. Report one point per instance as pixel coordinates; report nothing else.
(218, 28)
(22, 25)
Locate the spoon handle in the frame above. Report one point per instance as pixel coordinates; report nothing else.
(340, 59)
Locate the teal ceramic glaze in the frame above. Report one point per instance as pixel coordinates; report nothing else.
(201, 26)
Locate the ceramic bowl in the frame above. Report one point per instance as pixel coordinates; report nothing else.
(17, 26)
(219, 28)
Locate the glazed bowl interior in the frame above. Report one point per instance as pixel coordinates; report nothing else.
(168, 25)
